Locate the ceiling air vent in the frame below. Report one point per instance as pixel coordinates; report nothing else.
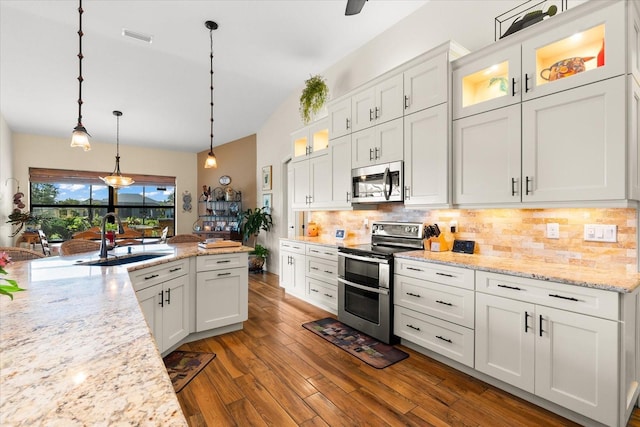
(138, 36)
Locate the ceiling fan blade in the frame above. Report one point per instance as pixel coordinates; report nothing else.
(354, 7)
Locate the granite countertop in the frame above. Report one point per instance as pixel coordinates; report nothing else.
(572, 275)
(75, 348)
(326, 241)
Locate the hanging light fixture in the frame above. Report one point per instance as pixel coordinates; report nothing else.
(80, 136)
(211, 161)
(116, 179)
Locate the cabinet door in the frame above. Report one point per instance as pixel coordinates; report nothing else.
(175, 312)
(426, 157)
(389, 99)
(340, 153)
(486, 157)
(221, 298)
(567, 56)
(573, 144)
(389, 142)
(300, 144)
(576, 363)
(150, 299)
(318, 137)
(634, 139)
(301, 179)
(292, 268)
(425, 85)
(320, 181)
(489, 82)
(363, 144)
(339, 118)
(505, 340)
(362, 109)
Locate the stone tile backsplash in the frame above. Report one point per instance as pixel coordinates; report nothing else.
(512, 233)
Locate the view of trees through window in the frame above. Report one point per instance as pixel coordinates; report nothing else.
(65, 208)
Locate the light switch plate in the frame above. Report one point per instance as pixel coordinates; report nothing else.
(553, 230)
(601, 233)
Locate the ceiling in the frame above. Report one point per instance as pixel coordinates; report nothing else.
(263, 52)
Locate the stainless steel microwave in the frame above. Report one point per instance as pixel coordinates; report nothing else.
(378, 183)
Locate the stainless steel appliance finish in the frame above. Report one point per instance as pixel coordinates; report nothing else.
(378, 183)
(365, 277)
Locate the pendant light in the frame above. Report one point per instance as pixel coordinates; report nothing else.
(116, 179)
(211, 161)
(80, 136)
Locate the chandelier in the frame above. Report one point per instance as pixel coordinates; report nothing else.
(80, 136)
(211, 161)
(116, 179)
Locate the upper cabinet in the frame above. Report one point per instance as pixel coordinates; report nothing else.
(562, 54)
(310, 141)
(425, 84)
(339, 118)
(378, 104)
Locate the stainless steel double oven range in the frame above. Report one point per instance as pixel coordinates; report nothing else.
(365, 277)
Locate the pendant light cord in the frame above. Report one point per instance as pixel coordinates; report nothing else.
(80, 57)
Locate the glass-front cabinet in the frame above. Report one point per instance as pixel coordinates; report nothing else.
(311, 141)
(587, 49)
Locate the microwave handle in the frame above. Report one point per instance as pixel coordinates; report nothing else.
(386, 178)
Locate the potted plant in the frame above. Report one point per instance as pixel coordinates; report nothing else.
(252, 221)
(314, 95)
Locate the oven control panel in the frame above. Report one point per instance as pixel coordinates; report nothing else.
(410, 230)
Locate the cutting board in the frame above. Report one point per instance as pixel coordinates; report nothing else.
(220, 244)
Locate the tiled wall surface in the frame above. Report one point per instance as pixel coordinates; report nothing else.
(513, 233)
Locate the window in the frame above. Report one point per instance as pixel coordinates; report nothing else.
(70, 201)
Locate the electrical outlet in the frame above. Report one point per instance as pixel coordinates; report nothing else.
(600, 233)
(553, 230)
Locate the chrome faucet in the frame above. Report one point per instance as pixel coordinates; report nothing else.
(103, 239)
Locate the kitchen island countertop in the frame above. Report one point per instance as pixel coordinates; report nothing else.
(75, 348)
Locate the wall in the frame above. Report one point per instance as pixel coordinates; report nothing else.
(469, 22)
(49, 152)
(8, 187)
(237, 159)
(512, 233)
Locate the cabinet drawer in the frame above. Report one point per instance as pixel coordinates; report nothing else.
(322, 270)
(444, 302)
(288, 245)
(326, 252)
(594, 302)
(220, 262)
(453, 341)
(445, 274)
(141, 279)
(323, 293)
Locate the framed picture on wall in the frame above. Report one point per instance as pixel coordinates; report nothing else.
(266, 178)
(266, 202)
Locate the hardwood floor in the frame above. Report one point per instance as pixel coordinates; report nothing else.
(275, 372)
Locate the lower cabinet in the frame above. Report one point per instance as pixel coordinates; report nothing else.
(565, 357)
(162, 292)
(222, 291)
(292, 267)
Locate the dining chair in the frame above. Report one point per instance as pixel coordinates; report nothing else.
(21, 254)
(78, 246)
(183, 238)
(46, 249)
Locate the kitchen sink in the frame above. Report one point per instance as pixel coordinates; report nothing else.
(125, 259)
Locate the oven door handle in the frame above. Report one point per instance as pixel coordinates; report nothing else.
(363, 258)
(381, 291)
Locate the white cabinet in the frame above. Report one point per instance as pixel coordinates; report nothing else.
(426, 154)
(222, 290)
(378, 104)
(322, 276)
(311, 183)
(311, 140)
(340, 172)
(378, 144)
(292, 267)
(425, 84)
(339, 114)
(434, 308)
(535, 336)
(487, 169)
(162, 292)
(568, 51)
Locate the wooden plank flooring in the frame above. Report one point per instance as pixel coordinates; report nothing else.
(276, 373)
